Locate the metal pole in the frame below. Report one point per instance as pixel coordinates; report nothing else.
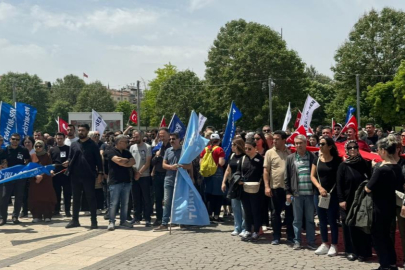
(138, 104)
(358, 99)
(14, 94)
(270, 104)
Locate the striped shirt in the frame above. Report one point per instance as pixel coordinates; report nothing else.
(304, 171)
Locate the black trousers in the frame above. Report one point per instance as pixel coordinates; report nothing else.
(6, 190)
(266, 202)
(87, 186)
(158, 185)
(252, 207)
(278, 201)
(62, 182)
(356, 241)
(214, 204)
(383, 245)
(141, 198)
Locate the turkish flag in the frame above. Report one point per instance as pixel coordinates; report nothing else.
(62, 126)
(333, 123)
(310, 130)
(134, 117)
(163, 122)
(352, 123)
(301, 130)
(297, 121)
(85, 75)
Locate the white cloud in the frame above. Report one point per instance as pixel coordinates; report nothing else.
(30, 50)
(164, 51)
(43, 18)
(198, 4)
(7, 11)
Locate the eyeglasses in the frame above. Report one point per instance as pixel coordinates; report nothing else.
(256, 139)
(352, 147)
(15, 139)
(38, 146)
(266, 130)
(173, 139)
(96, 135)
(322, 144)
(248, 149)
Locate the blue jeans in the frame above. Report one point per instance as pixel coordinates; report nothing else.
(328, 216)
(238, 215)
(304, 206)
(119, 194)
(167, 207)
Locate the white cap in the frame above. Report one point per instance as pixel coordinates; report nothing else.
(215, 136)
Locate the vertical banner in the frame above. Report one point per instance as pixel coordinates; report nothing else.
(188, 207)
(233, 116)
(201, 121)
(7, 122)
(176, 126)
(97, 123)
(310, 106)
(287, 118)
(26, 115)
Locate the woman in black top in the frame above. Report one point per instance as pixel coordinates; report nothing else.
(385, 179)
(238, 149)
(251, 168)
(326, 167)
(351, 173)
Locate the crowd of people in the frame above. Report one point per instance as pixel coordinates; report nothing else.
(266, 183)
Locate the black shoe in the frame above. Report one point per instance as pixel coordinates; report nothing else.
(56, 214)
(68, 214)
(15, 220)
(23, 215)
(2, 222)
(106, 217)
(362, 259)
(129, 218)
(218, 220)
(157, 223)
(93, 225)
(147, 224)
(351, 257)
(72, 224)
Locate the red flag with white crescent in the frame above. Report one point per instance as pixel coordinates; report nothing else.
(62, 125)
(134, 117)
(163, 122)
(301, 130)
(298, 119)
(352, 123)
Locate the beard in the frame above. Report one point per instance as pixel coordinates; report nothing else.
(82, 136)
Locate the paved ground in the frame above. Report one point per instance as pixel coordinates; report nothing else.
(51, 246)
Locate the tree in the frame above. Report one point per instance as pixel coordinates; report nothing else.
(180, 94)
(374, 49)
(29, 90)
(149, 107)
(59, 108)
(242, 58)
(126, 107)
(94, 96)
(67, 89)
(387, 100)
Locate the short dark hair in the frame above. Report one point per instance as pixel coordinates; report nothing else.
(154, 130)
(251, 142)
(281, 133)
(15, 135)
(165, 129)
(175, 134)
(86, 126)
(60, 134)
(370, 124)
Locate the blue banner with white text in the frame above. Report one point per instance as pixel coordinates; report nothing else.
(21, 172)
(234, 115)
(7, 122)
(176, 126)
(25, 119)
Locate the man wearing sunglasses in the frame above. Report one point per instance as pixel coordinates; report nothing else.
(336, 131)
(15, 155)
(266, 129)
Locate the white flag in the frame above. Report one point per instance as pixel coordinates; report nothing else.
(310, 106)
(201, 121)
(97, 123)
(287, 118)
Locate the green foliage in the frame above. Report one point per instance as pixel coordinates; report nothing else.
(59, 108)
(67, 89)
(150, 116)
(375, 48)
(29, 90)
(242, 57)
(94, 96)
(387, 100)
(180, 94)
(126, 107)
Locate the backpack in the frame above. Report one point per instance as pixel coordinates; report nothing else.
(208, 167)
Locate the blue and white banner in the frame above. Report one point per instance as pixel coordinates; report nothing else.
(7, 122)
(157, 147)
(25, 119)
(176, 126)
(234, 115)
(188, 207)
(350, 112)
(20, 172)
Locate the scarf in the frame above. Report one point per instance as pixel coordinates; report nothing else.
(42, 151)
(352, 159)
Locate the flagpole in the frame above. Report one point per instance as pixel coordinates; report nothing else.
(58, 125)
(171, 120)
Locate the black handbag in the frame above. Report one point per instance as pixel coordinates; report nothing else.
(235, 190)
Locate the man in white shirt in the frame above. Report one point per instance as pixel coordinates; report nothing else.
(71, 135)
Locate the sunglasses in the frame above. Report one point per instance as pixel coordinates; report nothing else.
(266, 130)
(401, 136)
(97, 135)
(322, 144)
(172, 139)
(15, 139)
(38, 146)
(248, 149)
(352, 147)
(256, 139)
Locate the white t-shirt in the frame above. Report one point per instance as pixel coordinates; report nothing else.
(140, 154)
(69, 142)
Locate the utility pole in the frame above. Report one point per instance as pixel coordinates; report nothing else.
(358, 99)
(138, 103)
(271, 104)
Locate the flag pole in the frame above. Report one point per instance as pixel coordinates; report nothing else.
(171, 119)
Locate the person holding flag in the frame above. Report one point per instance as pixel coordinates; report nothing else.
(351, 129)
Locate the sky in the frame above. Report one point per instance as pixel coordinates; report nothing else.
(119, 42)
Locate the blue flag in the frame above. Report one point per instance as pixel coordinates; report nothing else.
(234, 115)
(7, 122)
(350, 112)
(25, 119)
(188, 207)
(176, 126)
(20, 172)
(157, 147)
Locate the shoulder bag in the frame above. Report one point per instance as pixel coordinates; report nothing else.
(323, 201)
(249, 187)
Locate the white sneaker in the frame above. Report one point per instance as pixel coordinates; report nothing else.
(332, 251)
(47, 220)
(242, 233)
(234, 233)
(111, 226)
(35, 220)
(322, 250)
(247, 235)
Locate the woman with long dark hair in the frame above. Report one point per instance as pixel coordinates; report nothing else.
(261, 143)
(323, 176)
(351, 173)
